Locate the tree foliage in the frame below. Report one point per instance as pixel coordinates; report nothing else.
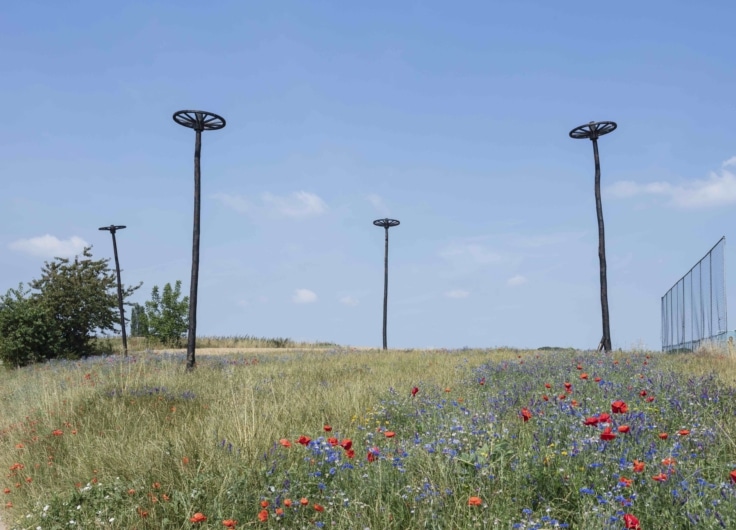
(167, 316)
(138, 321)
(28, 333)
(68, 304)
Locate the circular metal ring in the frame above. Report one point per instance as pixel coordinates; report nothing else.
(199, 120)
(593, 130)
(386, 223)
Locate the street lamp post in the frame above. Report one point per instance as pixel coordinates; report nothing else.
(385, 223)
(112, 229)
(593, 131)
(199, 121)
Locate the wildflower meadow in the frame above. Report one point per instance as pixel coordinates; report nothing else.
(348, 439)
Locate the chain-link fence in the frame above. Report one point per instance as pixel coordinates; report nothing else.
(694, 309)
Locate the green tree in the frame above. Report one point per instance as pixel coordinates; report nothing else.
(69, 304)
(28, 333)
(168, 317)
(138, 321)
(82, 297)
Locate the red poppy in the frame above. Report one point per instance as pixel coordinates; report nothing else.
(607, 435)
(561, 397)
(414, 391)
(373, 454)
(643, 393)
(597, 379)
(303, 501)
(263, 516)
(631, 522)
(580, 367)
(482, 381)
(350, 453)
(683, 432)
(327, 428)
(57, 432)
(574, 403)
(568, 386)
(626, 482)
(545, 397)
(390, 434)
(304, 440)
(198, 517)
(624, 428)
(733, 476)
(583, 376)
(669, 461)
(287, 503)
(591, 420)
(619, 407)
(346, 444)
(279, 512)
(547, 385)
(264, 504)
(229, 523)
(604, 417)
(475, 501)
(284, 442)
(526, 414)
(661, 477)
(639, 466)
(650, 399)
(663, 435)
(318, 507)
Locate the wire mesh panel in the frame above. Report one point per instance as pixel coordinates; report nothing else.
(694, 309)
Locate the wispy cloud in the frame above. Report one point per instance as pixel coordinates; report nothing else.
(457, 293)
(304, 296)
(235, 202)
(473, 252)
(378, 203)
(349, 301)
(299, 204)
(48, 246)
(517, 280)
(544, 240)
(718, 189)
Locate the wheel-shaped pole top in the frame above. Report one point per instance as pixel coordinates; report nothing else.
(386, 223)
(199, 120)
(593, 130)
(112, 228)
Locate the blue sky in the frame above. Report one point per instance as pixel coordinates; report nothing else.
(452, 117)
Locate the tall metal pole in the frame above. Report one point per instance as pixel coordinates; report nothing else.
(385, 223)
(199, 121)
(112, 229)
(593, 131)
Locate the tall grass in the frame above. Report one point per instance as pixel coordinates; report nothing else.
(112, 344)
(138, 443)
